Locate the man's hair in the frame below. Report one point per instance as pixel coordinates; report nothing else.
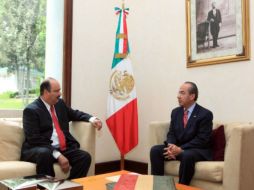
(193, 89)
(45, 85)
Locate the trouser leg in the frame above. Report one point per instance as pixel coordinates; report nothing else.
(187, 166)
(215, 40)
(157, 160)
(43, 159)
(79, 161)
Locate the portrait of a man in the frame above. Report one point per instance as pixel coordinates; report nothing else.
(215, 25)
(214, 19)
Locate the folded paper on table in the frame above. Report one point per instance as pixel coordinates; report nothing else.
(142, 182)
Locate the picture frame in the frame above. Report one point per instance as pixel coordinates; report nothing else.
(217, 31)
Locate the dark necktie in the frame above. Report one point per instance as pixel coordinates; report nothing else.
(185, 118)
(59, 131)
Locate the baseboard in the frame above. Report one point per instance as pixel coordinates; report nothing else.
(105, 167)
(129, 165)
(134, 166)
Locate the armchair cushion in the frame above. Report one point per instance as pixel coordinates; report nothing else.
(218, 143)
(205, 170)
(11, 139)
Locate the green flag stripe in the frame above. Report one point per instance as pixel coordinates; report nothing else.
(117, 60)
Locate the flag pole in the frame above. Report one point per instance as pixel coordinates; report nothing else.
(122, 162)
(122, 156)
(123, 4)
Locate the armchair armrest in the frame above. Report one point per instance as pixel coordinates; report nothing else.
(84, 133)
(239, 156)
(157, 132)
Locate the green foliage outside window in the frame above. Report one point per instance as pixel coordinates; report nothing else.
(22, 49)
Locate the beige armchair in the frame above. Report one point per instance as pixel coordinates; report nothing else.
(11, 138)
(234, 173)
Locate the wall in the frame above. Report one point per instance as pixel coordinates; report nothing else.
(157, 34)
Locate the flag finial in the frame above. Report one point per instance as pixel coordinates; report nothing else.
(123, 5)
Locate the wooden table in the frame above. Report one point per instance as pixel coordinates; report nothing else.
(98, 182)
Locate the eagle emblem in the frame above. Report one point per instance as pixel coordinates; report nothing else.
(121, 84)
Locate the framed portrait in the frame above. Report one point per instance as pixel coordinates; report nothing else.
(217, 31)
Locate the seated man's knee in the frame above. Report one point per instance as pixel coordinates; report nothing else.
(87, 157)
(187, 156)
(44, 153)
(156, 150)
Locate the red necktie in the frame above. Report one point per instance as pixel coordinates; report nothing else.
(185, 118)
(59, 131)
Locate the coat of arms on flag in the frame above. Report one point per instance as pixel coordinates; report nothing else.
(122, 116)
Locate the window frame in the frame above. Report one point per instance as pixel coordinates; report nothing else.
(67, 51)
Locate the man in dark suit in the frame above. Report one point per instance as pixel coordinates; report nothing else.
(47, 136)
(189, 136)
(214, 18)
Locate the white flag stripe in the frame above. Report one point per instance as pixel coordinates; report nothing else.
(120, 47)
(114, 104)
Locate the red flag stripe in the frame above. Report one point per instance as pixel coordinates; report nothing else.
(123, 126)
(125, 42)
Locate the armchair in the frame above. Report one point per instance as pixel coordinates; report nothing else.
(234, 173)
(11, 138)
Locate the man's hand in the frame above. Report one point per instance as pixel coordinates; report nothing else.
(97, 124)
(64, 163)
(168, 154)
(172, 151)
(176, 150)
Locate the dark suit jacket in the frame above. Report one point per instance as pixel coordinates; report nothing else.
(38, 128)
(196, 135)
(214, 26)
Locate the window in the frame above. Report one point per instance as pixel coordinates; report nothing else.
(35, 42)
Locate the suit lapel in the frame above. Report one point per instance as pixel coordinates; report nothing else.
(193, 116)
(42, 105)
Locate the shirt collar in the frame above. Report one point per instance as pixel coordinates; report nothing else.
(191, 108)
(46, 104)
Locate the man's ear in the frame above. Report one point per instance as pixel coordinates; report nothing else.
(45, 92)
(192, 96)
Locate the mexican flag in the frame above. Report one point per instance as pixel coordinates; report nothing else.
(122, 116)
